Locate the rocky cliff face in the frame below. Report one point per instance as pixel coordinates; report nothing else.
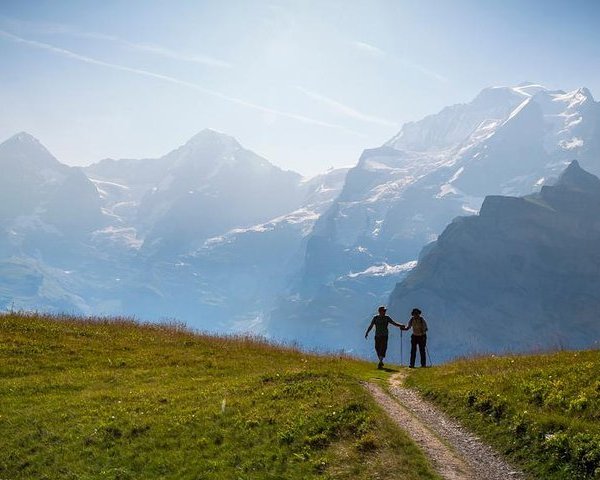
(523, 274)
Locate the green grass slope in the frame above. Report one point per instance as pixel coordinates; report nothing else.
(116, 400)
(543, 411)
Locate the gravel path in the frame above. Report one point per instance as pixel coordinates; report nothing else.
(455, 453)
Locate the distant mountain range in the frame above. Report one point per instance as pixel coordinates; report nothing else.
(168, 237)
(217, 236)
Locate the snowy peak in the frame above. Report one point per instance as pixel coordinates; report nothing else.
(580, 95)
(24, 138)
(456, 123)
(209, 137)
(27, 150)
(216, 185)
(586, 93)
(493, 107)
(576, 178)
(528, 89)
(574, 98)
(23, 141)
(209, 151)
(492, 96)
(35, 184)
(569, 119)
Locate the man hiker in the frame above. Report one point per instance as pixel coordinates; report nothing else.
(381, 322)
(418, 337)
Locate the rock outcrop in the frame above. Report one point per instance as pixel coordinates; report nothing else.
(522, 275)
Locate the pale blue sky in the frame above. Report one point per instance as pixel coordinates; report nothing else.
(307, 84)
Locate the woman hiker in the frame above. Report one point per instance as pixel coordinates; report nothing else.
(418, 337)
(381, 322)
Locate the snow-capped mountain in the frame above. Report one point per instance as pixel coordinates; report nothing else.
(233, 278)
(202, 189)
(454, 124)
(48, 212)
(400, 196)
(522, 274)
(36, 187)
(206, 229)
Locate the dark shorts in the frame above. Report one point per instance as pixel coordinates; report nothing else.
(381, 342)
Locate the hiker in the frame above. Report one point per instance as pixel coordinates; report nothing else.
(381, 322)
(418, 337)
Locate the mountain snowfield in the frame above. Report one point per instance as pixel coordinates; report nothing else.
(219, 237)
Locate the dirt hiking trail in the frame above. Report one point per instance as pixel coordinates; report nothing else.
(455, 453)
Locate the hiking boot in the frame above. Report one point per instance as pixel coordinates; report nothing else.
(380, 365)
(411, 366)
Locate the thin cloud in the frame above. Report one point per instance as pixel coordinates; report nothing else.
(158, 76)
(427, 71)
(168, 53)
(379, 53)
(153, 49)
(345, 109)
(45, 28)
(370, 49)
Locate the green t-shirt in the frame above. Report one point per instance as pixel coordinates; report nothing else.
(381, 324)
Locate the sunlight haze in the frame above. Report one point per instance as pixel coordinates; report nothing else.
(308, 85)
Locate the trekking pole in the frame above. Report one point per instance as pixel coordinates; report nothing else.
(401, 356)
(428, 356)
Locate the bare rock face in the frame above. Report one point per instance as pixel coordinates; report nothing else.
(523, 274)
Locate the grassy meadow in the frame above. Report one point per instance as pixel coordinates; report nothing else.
(112, 399)
(543, 411)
